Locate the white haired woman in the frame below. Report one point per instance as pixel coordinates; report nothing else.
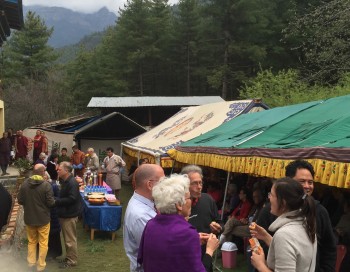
(41, 159)
(169, 243)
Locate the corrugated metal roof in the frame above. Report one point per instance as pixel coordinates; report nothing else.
(151, 101)
(66, 121)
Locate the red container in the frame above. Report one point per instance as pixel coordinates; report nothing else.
(229, 255)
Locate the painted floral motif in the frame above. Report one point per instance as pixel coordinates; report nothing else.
(250, 162)
(236, 109)
(334, 168)
(173, 125)
(168, 147)
(196, 124)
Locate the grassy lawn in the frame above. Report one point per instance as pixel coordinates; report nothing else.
(102, 254)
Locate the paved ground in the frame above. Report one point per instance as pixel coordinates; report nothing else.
(10, 256)
(12, 171)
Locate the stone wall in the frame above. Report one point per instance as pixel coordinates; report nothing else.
(11, 234)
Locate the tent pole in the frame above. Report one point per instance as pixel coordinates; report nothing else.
(215, 267)
(223, 204)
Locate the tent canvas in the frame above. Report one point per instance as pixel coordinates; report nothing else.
(319, 133)
(185, 125)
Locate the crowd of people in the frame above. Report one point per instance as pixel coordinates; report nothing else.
(52, 201)
(169, 220)
(170, 224)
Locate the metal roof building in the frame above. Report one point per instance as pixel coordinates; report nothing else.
(149, 111)
(151, 101)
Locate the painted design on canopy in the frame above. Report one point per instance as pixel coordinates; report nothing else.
(236, 109)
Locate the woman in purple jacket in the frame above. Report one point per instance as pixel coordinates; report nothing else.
(169, 242)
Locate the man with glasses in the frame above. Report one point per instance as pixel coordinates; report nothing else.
(204, 212)
(68, 209)
(140, 210)
(303, 172)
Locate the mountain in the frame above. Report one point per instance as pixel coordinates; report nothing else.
(70, 26)
(69, 52)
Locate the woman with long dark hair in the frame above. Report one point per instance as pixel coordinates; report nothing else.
(293, 246)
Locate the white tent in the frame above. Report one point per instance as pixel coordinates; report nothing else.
(187, 124)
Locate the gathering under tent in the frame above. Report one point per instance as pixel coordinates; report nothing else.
(183, 126)
(263, 143)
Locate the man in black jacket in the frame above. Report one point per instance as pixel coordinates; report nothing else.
(5, 204)
(36, 196)
(303, 172)
(68, 208)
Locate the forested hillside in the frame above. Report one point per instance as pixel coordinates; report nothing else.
(283, 51)
(71, 26)
(69, 52)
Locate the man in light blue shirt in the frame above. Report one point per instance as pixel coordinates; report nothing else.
(140, 210)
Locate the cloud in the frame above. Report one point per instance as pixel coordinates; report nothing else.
(86, 6)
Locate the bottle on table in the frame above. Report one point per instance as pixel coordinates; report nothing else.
(95, 179)
(100, 182)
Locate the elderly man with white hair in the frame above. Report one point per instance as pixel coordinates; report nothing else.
(169, 243)
(91, 160)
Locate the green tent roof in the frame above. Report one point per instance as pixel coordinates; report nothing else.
(245, 128)
(317, 131)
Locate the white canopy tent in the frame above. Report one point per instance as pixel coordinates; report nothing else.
(187, 124)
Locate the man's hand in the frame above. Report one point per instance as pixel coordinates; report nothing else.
(215, 227)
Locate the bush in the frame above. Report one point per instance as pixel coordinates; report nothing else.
(23, 165)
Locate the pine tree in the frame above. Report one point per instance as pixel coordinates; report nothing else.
(187, 22)
(27, 55)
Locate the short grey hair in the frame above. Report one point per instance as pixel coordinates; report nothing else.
(67, 166)
(191, 169)
(170, 191)
(90, 149)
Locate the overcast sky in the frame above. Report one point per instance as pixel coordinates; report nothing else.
(86, 6)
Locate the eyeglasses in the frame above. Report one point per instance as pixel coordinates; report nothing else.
(196, 183)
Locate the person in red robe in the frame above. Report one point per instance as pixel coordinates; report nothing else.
(44, 143)
(37, 145)
(21, 145)
(77, 161)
